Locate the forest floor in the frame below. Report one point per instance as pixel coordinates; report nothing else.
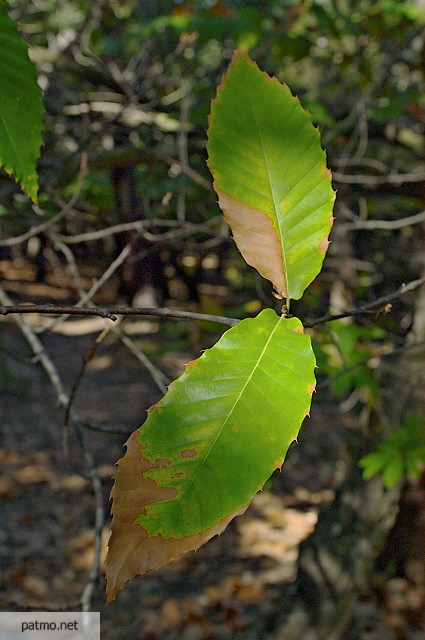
(231, 587)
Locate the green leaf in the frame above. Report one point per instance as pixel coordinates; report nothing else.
(21, 108)
(226, 424)
(372, 464)
(393, 473)
(270, 176)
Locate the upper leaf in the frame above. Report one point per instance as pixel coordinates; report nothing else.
(21, 108)
(270, 176)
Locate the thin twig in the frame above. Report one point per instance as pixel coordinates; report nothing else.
(182, 136)
(69, 256)
(113, 312)
(384, 224)
(89, 355)
(362, 127)
(140, 226)
(373, 163)
(191, 173)
(87, 595)
(63, 401)
(34, 231)
(372, 181)
(105, 428)
(95, 287)
(39, 351)
(367, 308)
(157, 375)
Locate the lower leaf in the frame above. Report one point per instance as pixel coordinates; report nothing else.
(210, 444)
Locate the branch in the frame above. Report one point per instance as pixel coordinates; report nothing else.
(371, 306)
(157, 375)
(34, 231)
(85, 360)
(96, 285)
(112, 312)
(385, 224)
(64, 401)
(87, 594)
(140, 226)
(391, 178)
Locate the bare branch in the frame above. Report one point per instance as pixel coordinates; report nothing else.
(141, 226)
(385, 224)
(34, 231)
(371, 307)
(69, 256)
(112, 312)
(85, 360)
(64, 401)
(391, 178)
(373, 163)
(95, 287)
(87, 595)
(39, 351)
(157, 375)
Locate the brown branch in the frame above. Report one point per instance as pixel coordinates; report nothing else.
(371, 306)
(95, 286)
(87, 594)
(113, 312)
(89, 355)
(34, 231)
(157, 375)
(63, 400)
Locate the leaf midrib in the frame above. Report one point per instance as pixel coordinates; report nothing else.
(275, 200)
(178, 499)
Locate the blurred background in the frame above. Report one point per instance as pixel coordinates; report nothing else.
(127, 87)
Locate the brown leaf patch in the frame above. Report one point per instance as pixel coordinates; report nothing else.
(255, 237)
(131, 552)
(188, 453)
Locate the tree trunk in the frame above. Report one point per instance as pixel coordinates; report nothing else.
(142, 279)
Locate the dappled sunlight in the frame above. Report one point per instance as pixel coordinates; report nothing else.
(271, 530)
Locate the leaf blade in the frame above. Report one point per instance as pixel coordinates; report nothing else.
(21, 108)
(131, 551)
(204, 432)
(268, 158)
